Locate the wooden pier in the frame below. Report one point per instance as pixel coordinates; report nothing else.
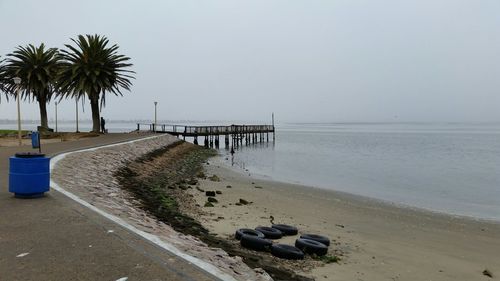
(234, 134)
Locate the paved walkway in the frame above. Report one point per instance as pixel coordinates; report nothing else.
(66, 241)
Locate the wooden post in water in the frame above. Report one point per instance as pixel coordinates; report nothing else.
(274, 130)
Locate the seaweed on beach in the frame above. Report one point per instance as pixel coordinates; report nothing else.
(159, 188)
(152, 190)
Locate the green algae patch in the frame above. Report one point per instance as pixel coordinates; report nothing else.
(328, 259)
(156, 178)
(159, 180)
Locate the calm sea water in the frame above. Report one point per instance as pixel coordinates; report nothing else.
(451, 168)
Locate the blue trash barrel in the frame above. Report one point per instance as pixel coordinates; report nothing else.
(29, 175)
(35, 139)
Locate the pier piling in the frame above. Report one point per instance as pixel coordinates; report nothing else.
(234, 135)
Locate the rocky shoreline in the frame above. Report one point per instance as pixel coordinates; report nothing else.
(162, 181)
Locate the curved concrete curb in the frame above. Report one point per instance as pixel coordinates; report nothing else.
(209, 268)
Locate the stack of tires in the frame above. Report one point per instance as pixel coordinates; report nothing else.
(259, 239)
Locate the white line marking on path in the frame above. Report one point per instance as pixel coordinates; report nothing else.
(148, 236)
(22, 255)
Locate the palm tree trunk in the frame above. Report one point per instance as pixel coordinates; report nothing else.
(42, 103)
(96, 120)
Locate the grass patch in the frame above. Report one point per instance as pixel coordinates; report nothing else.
(64, 136)
(4, 133)
(214, 178)
(328, 258)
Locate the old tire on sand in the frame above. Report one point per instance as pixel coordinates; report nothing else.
(252, 232)
(286, 229)
(269, 232)
(311, 246)
(255, 243)
(286, 252)
(315, 237)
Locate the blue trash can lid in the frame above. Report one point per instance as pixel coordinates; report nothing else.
(29, 155)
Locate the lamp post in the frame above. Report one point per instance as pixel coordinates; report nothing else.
(17, 81)
(77, 115)
(154, 125)
(56, 116)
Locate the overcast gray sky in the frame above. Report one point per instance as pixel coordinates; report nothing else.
(328, 61)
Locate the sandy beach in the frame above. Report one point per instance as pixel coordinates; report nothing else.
(375, 240)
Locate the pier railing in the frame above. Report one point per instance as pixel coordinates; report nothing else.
(238, 134)
(190, 131)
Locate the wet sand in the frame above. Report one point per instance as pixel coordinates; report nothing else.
(378, 241)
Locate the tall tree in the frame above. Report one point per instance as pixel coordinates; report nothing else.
(3, 80)
(93, 68)
(38, 68)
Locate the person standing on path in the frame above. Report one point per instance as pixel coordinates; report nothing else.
(103, 125)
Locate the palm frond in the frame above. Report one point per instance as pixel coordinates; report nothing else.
(37, 67)
(93, 68)
(3, 80)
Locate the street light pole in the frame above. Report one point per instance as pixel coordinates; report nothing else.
(77, 115)
(56, 116)
(154, 125)
(17, 81)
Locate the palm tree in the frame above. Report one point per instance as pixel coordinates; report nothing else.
(3, 80)
(92, 68)
(37, 67)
